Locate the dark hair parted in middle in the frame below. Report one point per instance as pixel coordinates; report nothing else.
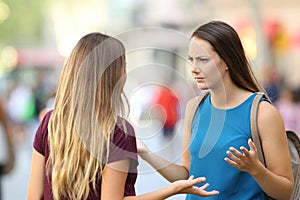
(228, 45)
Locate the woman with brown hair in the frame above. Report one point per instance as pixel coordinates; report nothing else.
(84, 148)
(218, 142)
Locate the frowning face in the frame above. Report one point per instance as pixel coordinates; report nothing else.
(207, 67)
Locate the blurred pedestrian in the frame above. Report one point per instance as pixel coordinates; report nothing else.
(217, 139)
(7, 156)
(84, 148)
(272, 83)
(289, 108)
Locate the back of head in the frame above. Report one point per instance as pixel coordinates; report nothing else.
(87, 103)
(99, 75)
(226, 42)
(96, 59)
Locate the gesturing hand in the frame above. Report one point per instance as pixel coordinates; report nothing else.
(188, 187)
(244, 160)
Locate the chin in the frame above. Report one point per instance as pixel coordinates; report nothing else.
(202, 86)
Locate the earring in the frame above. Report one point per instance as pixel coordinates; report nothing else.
(226, 68)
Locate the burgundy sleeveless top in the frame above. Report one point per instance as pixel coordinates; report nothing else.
(122, 147)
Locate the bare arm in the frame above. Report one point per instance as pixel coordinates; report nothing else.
(36, 180)
(178, 187)
(171, 171)
(114, 178)
(277, 179)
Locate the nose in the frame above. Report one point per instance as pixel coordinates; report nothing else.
(194, 68)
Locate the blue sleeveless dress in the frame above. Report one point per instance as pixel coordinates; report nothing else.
(213, 132)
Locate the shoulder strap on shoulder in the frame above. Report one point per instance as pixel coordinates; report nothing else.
(254, 127)
(295, 139)
(192, 107)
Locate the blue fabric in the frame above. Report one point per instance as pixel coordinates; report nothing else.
(213, 132)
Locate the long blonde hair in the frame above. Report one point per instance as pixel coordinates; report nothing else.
(88, 101)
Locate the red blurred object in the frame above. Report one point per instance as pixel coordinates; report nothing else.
(271, 28)
(169, 102)
(296, 39)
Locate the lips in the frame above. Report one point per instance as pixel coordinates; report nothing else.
(199, 79)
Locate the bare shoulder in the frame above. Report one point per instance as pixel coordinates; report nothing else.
(192, 101)
(269, 119)
(268, 112)
(196, 100)
(273, 138)
(192, 104)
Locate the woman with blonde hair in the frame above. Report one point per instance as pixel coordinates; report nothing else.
(84, 148)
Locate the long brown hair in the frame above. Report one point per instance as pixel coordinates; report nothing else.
(88, 102)
(226, 42)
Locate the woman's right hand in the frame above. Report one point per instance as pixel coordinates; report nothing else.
(188, 187)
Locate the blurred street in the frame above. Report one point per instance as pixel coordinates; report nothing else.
(156, 35)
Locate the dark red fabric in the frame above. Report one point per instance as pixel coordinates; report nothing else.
(122, 147)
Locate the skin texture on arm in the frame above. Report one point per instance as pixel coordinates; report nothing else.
(114, 178)
(170, 171)
(191, 108)
(36, 181)
(277, 179)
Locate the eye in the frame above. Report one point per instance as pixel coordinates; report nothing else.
(204, 60)
(190, 59)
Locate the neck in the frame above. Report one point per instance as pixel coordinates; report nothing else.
(228, 96)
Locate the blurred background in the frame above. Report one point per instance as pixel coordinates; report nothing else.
(36, 37)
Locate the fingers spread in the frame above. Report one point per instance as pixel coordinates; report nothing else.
(251, 145)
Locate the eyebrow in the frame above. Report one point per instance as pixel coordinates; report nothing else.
(201, 56)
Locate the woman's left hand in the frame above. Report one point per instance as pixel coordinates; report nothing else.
(188, 187)
(245, 160)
